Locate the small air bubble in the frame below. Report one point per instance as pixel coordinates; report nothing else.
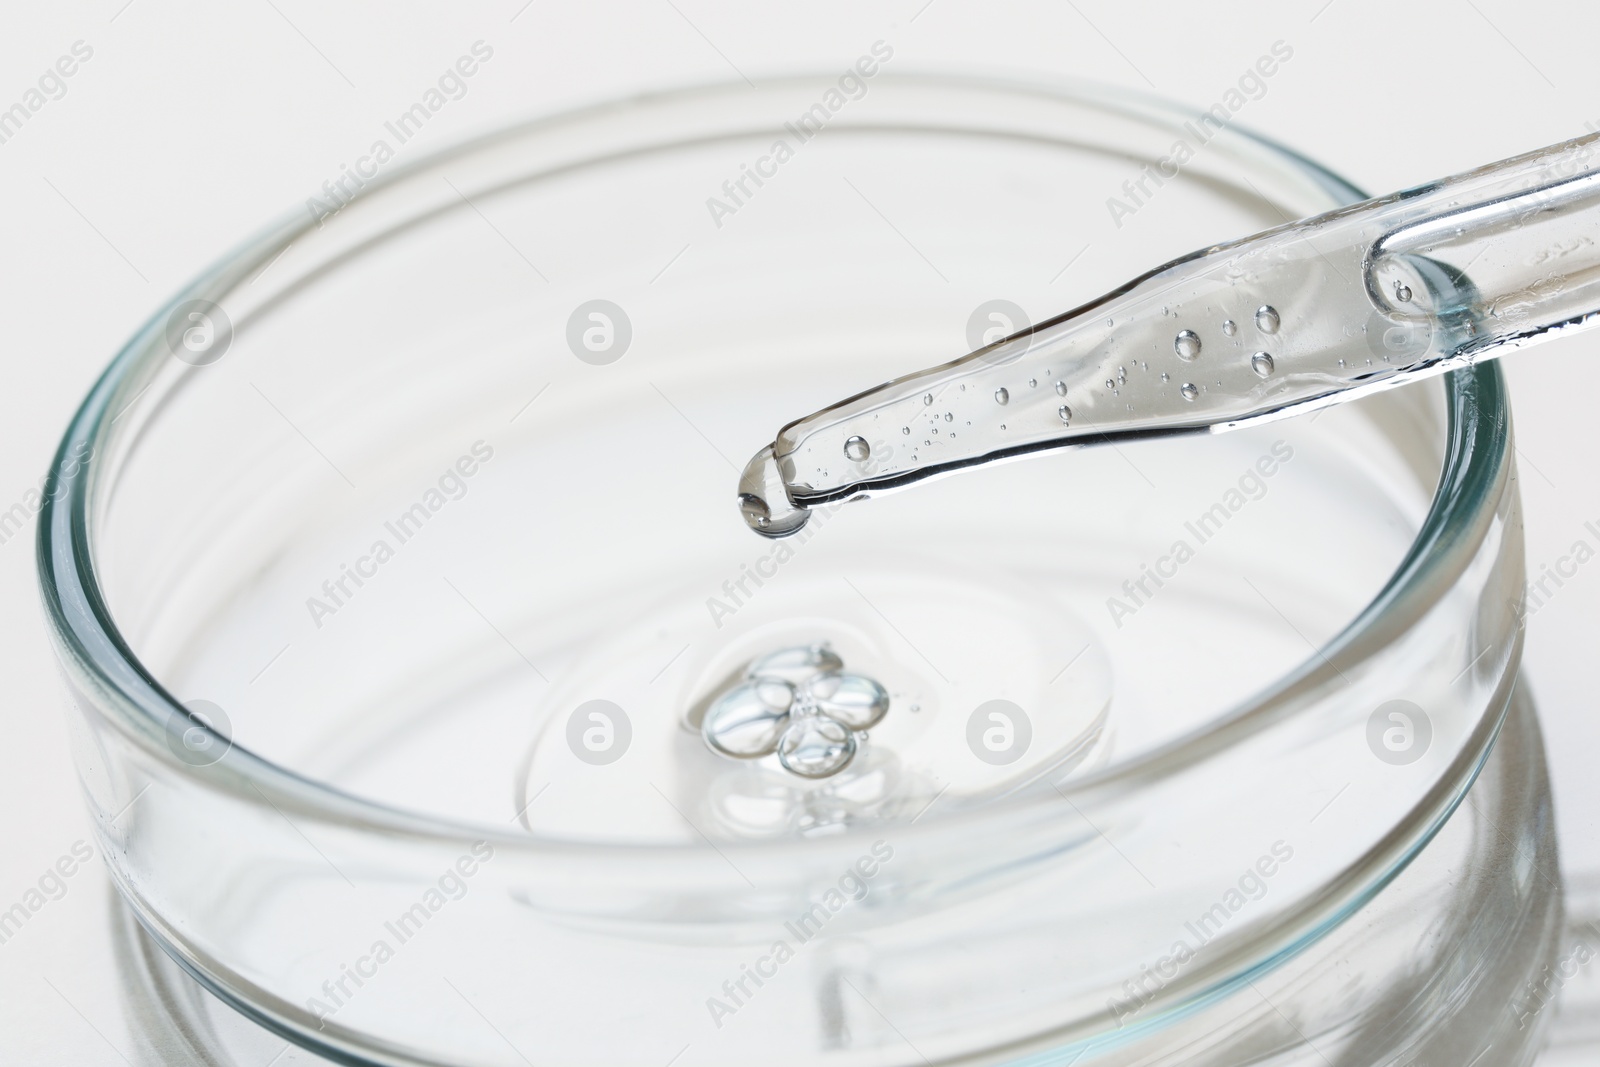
(1267, 319)
(1186, 344)
(1402, 292)
(857, 449)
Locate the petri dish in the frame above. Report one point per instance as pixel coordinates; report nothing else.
(392, 593)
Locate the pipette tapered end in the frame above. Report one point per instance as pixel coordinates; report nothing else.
(764, 500)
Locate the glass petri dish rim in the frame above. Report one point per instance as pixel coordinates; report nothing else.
(96, 656)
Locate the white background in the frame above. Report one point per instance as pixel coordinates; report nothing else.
(193, 124)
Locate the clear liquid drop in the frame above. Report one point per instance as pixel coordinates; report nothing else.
(1188, 390)
(1061, 389)
(796, 663)
(1001, 396)
(1262, 364)
(1229, 327)
(1267, 320)
(816, 747)
(857, 449)
(748, 720)
(1065, 413)
(853, 699)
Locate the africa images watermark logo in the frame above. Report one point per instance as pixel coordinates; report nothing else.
(851, 85)
(599, 332)
(999, 732)
(199, 332)
(599, 732)
(852, 887)
(452, 884)
(1399, 732)
(50, 886)
(736, 589)
(1251, 85)
(1251, 486)
(338, 590)
(1251, 885)
(51, 85)
(451, 85)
